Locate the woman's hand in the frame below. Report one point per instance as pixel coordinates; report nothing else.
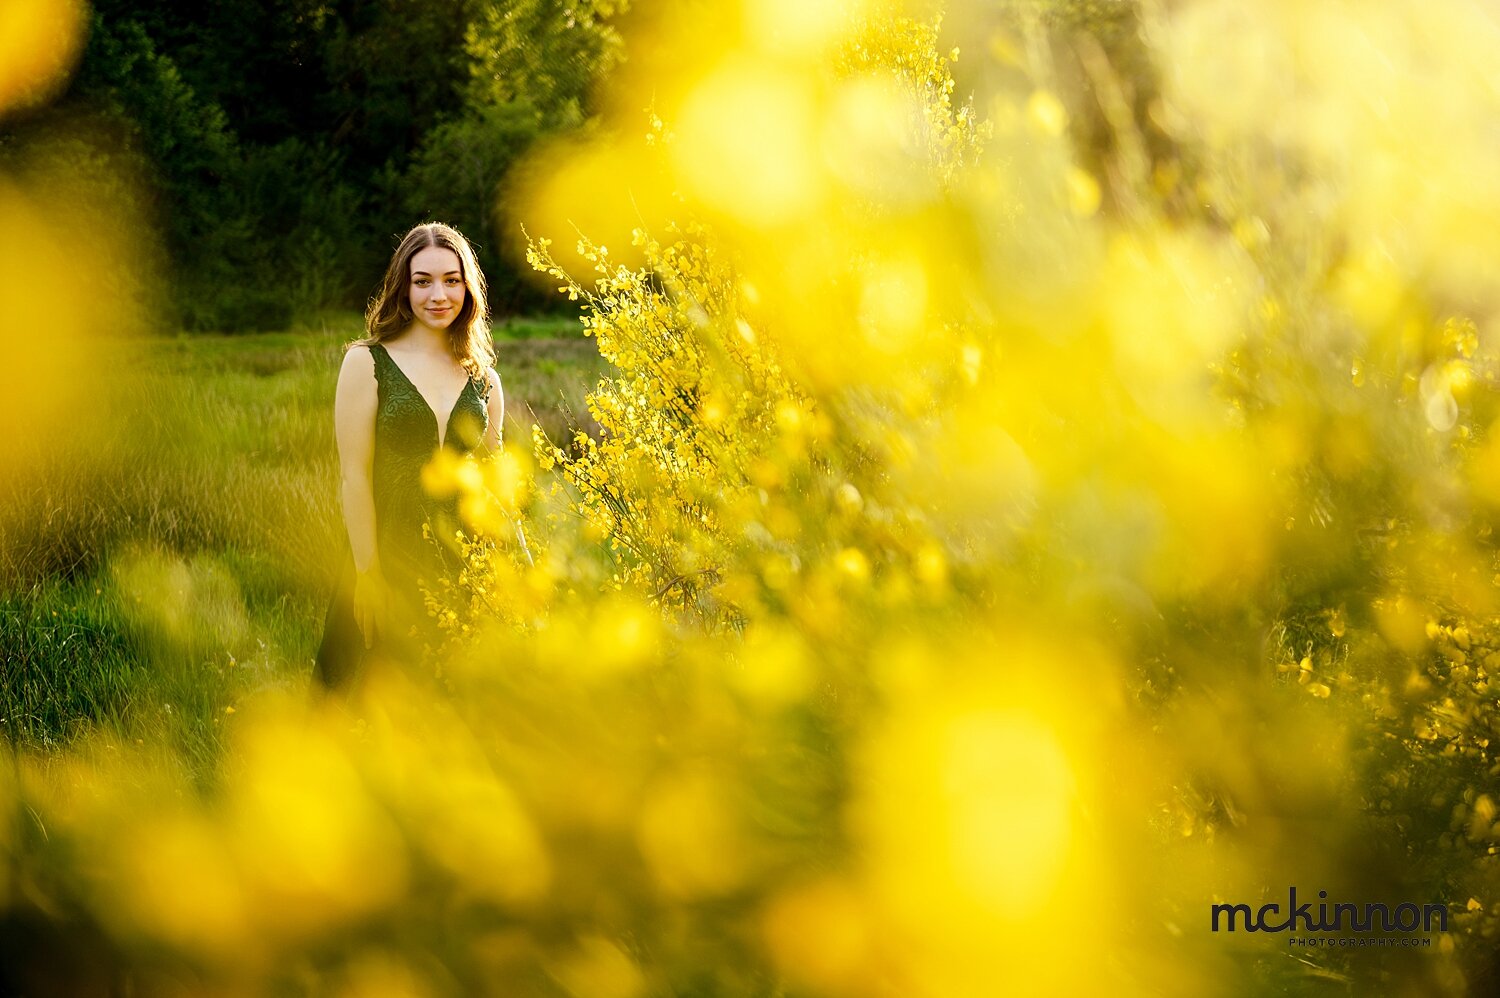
(372, 604)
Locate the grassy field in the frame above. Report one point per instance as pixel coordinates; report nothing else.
(178, 551)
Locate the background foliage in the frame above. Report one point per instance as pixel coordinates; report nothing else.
(284, 146)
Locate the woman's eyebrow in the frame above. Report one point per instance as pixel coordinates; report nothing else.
(423, 273)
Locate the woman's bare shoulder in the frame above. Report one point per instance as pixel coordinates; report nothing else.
(358, 358)
(357, 372)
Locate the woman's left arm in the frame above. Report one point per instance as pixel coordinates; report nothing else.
(495, 406)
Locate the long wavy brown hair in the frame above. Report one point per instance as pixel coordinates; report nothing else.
(390, 312)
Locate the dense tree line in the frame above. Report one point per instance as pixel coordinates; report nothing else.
(286, 143)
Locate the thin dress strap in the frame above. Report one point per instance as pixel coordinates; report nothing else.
(377, 351)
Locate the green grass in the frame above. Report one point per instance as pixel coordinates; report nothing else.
(174, 552)
(546, 327)
(66, 660)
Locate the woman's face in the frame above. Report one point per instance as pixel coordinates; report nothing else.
(436, 288)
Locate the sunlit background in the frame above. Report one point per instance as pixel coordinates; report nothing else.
(1037, 480)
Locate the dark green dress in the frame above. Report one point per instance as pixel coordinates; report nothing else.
(406, 438)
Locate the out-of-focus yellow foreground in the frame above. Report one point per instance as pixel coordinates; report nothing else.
(1021, 522)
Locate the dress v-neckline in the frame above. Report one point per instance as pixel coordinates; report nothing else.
(440, 427)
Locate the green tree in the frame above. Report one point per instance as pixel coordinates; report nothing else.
(545, 55)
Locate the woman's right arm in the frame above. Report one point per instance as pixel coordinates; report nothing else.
(354, 425)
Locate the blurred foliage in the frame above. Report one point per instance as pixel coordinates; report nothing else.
(32, 72)
(1016, 523)
(302, 137)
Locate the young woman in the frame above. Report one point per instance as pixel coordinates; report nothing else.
(421, 379)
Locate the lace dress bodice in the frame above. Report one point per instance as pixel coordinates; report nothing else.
(406, 439)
